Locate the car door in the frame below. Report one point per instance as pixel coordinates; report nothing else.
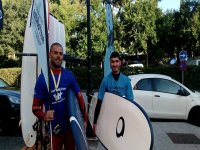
(4, 107)
(143, 95)
(167, 103)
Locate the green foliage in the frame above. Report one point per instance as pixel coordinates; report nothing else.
(139, 26)
(180, 29)
(13, 75)
(74, 16)
(12, 35)
(81, 75)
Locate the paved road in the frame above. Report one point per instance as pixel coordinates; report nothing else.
(12, 139)
(164, 142)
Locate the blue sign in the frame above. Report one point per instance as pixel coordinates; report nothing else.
(183, 55)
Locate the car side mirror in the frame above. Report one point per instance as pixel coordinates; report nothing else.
(182, 93)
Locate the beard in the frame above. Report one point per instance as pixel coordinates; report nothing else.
(57, 63)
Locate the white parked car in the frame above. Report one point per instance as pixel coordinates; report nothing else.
(136, 65)
(165, 98)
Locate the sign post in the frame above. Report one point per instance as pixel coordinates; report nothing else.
(182, 65)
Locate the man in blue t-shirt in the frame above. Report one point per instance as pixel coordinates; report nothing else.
(116, 83)
(60, 80)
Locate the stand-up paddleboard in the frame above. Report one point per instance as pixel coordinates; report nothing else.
(53, 30)
(28, 79)
(62, 39)
(29, 75)
(76, 121)
(123, 125)
(57, 33)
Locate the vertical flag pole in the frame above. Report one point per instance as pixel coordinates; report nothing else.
(89, 89)
(47, 52)
(89, 131)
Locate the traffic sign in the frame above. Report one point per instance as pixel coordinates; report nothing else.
(183, 65)
(183, 55)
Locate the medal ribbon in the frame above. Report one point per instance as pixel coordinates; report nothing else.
(56, 84)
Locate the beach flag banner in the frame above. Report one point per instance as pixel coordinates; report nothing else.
(110, 38)
(1, 15)
(39, 25)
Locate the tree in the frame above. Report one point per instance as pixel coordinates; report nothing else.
(12, 35)
(73, 15)
(189, 21)
(167, 34)
(137, 30)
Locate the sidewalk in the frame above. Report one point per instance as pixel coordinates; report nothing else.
(180, 132)
(170, 136)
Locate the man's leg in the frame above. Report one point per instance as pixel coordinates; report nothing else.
(69, 141)
(57, 142)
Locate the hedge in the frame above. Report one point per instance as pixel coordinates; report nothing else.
(191, 75)
(11, 75)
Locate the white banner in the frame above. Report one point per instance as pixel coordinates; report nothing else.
(40, 33)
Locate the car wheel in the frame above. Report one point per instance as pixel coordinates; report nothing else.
(0, 126)
(194, 116)
(10, 127)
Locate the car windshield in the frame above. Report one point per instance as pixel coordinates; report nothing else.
(3, 84)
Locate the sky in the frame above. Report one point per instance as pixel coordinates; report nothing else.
(169, 4)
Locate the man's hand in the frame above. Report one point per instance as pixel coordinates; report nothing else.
(85, 117)
(94, 129)
(49, 116)
(85, 126)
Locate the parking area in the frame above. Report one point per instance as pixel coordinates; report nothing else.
(176, 136)
(168, 135)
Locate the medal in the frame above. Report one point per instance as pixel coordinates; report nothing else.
(56, 84)
(56, 97)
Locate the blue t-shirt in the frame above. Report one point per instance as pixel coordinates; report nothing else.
(122, 87)
(58, 97)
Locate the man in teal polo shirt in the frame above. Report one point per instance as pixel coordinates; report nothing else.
(116, 83)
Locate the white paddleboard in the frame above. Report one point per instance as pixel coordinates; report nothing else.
(123, 125)
(28, 79)
(30, 71)
(57, 34)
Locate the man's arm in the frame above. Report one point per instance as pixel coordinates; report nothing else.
(82, 106)
(96, 114)
(37, 109)
(38, 112)
(130, 91)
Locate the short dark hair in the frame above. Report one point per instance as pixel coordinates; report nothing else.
(115, 55)
(55, 44)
